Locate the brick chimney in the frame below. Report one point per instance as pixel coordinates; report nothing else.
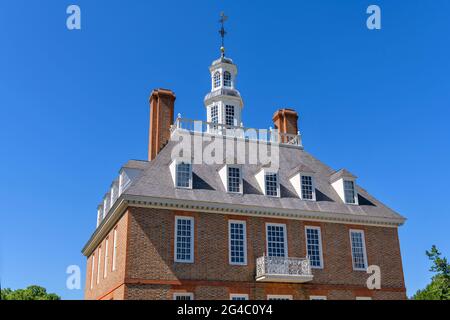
(162, 105)
(285, 120)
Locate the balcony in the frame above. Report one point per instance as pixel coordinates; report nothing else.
(280, 269)
(251, 134)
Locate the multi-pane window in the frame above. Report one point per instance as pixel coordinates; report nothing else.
(215, 114)
(307, 188)
(99, 261)
(184, 239)
(349, 191)
(217, 79)
(239, 297)
(105, 269)
(114, 257)
(227, 79)
(276, 240)
(237, 242)
(314, 246)
(234, 179)
(358, 249)
(184, 173)
(271, 184)
(92, 271)
(229, 115)
(183, 296)
(279, 297)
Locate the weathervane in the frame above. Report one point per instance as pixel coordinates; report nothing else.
(222, 31)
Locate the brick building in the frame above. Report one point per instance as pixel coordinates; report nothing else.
(248, 225)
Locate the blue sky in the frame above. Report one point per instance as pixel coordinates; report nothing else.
(74, 107)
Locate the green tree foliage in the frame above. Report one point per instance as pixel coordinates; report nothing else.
(30, 293)
(439, 288)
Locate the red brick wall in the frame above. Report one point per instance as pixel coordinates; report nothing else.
(111, 287)
(146, 267)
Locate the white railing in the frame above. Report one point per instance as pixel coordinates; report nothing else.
(270, 135)
(283, 267)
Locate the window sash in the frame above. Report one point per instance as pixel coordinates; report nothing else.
(184, 239)
(307, 187)
(92, 271)
(99, 263)
(217, 79)
(358, 248)
(238, 297)
(271, 182)
(349, 192)
(114, 250)
(183, 296)
(237, 242)
(105, 271)
(234, 179)
(227, 79)
(184, 173)
(229, 115)
(276, 240)
(314, 246)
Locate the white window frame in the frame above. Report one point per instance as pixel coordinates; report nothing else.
(239, 295)
(217, 82)
(355, 194)
(225, 80)
(92, 271)
(226, 115)
(99, 263)
(241, 187)
(320, 245)
(313, 186)
(183, 294)
(285, 237)
(105, 268)
(279, 297)
(245, 242)
(191, 260)
(114, 264)
(317, 297)
(177, 163)
(363, 239)
(266, 173)
(363, 298)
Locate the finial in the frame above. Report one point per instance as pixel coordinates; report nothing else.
(222, 32)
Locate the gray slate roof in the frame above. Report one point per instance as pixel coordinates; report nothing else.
(156, 181)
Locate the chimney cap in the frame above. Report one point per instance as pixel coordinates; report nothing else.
(285, 111)
(163, 92)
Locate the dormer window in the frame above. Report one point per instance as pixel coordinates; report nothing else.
(272, 185)
(268, 181)
(349, 192)
(303, 182)
(217, 79)
(184, 175)
(234, 180)
(344, 184)
(181, 172)
(307, 187)
(227, 79)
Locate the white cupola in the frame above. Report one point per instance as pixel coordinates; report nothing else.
(224, 103)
